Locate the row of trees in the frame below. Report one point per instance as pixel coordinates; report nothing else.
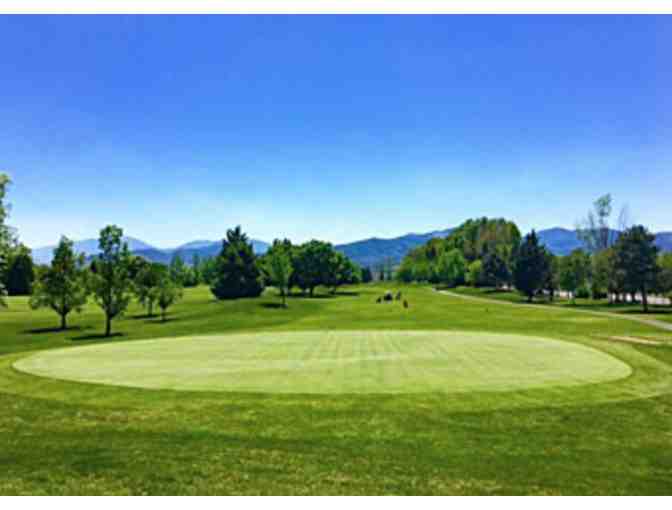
(490, 252)
(238, 272)
(112, 278)
(632, 265)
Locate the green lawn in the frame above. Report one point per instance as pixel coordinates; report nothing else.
(610, 435)
(658, 312)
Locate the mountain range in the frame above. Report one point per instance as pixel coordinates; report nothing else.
(367, 252)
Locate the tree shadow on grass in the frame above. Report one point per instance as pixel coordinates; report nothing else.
(278, 306)
(96, 336)
(56, 329)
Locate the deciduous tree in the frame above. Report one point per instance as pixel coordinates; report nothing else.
(111, 283)
(63, 285)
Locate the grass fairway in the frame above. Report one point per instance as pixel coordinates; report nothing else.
(334, 362)
(606, 436)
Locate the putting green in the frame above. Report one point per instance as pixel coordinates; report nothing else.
(333, 362)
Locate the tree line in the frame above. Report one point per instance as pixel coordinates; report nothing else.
(491, 252)
(114, 276)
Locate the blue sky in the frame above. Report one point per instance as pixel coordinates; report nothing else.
(339, 128)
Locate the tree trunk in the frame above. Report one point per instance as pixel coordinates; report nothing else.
(108, 325)
(312, 289)
(284, 301)
(645, 301)
(150, 309)
(163, 315)
(63, 322)
(529, 298)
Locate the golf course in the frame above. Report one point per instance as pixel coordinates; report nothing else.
(335, 394)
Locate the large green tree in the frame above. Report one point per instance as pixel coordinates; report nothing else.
(237, 274)
(63, 285)
(531, 266)
(451, 267)
(168, 292)
(496, 271)
(7, 238)
(635, 259)
(574, 271)
(342, 271)
(111, 281)
(146, 283)
(278, 268)
(312, 265)
(20, 272)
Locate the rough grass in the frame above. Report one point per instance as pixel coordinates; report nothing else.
(60, 437)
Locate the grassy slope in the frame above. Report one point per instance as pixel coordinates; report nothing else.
(60, 437)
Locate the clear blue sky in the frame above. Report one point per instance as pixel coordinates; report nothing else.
(339, 128)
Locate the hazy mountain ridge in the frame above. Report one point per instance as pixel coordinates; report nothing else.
(368, 252)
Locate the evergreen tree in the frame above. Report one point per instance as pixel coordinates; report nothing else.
(62, 286)
(237, 274)
(495, 270)
(636, 260)
(531, 266)
(20, 272)
(111, 283)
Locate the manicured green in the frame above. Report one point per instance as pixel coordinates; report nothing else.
(63, 437)
(334, 362)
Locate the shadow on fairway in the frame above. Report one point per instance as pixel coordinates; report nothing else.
(57, 329)
(97, 336)
(274, 306)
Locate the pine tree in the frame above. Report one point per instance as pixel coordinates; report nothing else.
(237, 274)
(531, 266)
(635, 259)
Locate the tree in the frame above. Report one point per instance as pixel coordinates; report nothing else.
(20, 272)
(531, 266)
(636, 259)
(312, 265)
(475, 273)
(495, 270)
(278, 267)
(594, 230)
(552, 275)
(168, 292)
(111, 283)
(665, 274)
(367, 275)
(7, 237)
(451, 267)
(146, 285)
(601, 274)
(574, 270)
(63, 285)
(236, 274)
(341, 271)
(178, 269)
